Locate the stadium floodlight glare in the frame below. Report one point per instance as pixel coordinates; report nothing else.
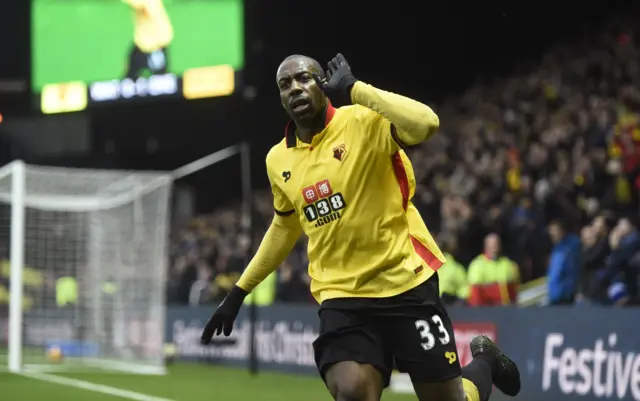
(87, 255)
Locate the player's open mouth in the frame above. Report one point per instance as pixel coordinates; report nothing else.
(299, 105)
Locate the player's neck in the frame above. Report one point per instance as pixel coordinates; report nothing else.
(308, 128)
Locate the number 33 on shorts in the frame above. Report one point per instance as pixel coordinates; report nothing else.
(424, 327)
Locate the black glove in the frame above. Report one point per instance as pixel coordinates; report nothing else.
(338, 82)
(222, 319)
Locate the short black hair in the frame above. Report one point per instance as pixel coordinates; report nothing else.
(311, 60)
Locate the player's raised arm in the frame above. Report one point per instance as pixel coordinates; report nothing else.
(279, 240)
(414, 121)
(277, 243)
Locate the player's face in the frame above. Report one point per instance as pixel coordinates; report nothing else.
(300, 96)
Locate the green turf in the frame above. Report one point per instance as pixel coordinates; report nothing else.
(16, 388)
(182, 383)
(89, 40)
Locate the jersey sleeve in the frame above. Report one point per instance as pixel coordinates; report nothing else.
(383, 133)
(409, 122)
(281, 203)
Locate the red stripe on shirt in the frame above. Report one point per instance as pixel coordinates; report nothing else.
(403, 180)
(401, 176)
(432, 261)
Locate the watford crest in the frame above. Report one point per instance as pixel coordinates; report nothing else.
(339, 152)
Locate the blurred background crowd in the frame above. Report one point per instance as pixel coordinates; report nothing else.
(532, 182)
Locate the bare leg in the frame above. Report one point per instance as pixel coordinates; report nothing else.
(351, 381)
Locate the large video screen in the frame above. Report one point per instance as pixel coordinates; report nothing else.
(86, 52)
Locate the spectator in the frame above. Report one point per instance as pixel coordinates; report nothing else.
(595, 250)
(227, 270)
(200, 291)
(564, 264)
(265, 293)
(493, 278)
(620, 268)
(452, 276)
(293, 284)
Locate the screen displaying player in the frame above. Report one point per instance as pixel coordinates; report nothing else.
(152, 35)
(96, 51)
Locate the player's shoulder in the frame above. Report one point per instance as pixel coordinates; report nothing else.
(277, 154)
(277, 151)
(358, 112)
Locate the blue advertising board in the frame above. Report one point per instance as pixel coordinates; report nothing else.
(284, 337)
(567, 353)
(564, 353)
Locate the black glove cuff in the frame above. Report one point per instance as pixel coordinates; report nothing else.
(350, 87)
(237, 293)
(342, 95)
(348, 81)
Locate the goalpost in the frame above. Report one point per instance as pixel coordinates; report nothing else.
(86, 266)
(83, 256)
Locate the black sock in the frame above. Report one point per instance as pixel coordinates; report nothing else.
(479, 372)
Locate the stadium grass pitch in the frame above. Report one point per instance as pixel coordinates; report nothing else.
(184, 382)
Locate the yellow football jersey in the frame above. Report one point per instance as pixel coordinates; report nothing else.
(152, 27)
(351, 188)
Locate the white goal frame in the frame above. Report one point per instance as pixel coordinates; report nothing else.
(19, 201)
(18, 189)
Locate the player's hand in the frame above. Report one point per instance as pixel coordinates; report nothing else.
(223, 317)
(338, 81)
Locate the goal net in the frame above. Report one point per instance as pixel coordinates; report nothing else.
(82, 267)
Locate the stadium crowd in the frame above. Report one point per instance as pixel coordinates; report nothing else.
(542, 167)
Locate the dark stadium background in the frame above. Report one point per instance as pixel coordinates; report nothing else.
(426, 50)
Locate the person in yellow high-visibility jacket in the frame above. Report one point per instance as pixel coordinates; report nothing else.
(493, 278)
(265, 293)
(452, 277)
(152, 35)
(66, 291)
